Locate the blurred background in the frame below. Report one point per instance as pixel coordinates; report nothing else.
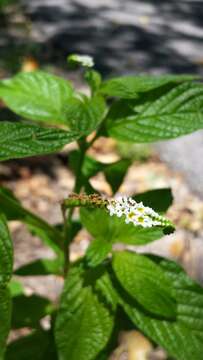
(124, 37)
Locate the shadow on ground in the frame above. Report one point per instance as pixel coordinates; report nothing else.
(123, 37)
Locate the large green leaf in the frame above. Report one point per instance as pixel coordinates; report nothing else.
(6, 252)
(27, 311)
(188, 293)
(39, 345)
(177, 339)
(15, 211)
(182, 338)
(37, 96)
(83, 115)
(84, 323)
(19, 140)
(5, 318)
(145, 282)
(176, 113)
(128, 87)
(113, 229)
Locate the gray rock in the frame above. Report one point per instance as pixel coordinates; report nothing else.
(185, 154)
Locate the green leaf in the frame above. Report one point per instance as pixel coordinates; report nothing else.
(114, 230)
(158, 199)
(6, 253)
(176, 339)
(5, 318)
(37, 96)
(181, 338)
(84, 323)
(145, 282)
(39, 345)
(188, 293)
(14, 211)
(176, 113)
(104, 286)
(128, 87)
(83, 115)
(27, 311)
(97, 251)
(40, 267)
(115, 173)
(19, 140)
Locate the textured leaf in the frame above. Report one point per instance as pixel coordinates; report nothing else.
(27, 311)
(37, 96)
(40, 267)
(19, 140)
(113, 229)
(145, 282)
(39, 345)
(128, 87)
(158, 199)
(5, 318)
(172, 336)
(176, 113)
(97, 251)
(84, 324)
(105, 287)
(14, 211)
(6, 253)
(83, 115)
(188, 293)
(182, 338)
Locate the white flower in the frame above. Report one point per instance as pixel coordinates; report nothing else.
(135, 213)
(111, 209)
(130, 216)
(84, 60)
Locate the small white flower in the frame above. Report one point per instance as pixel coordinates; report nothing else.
(84, 60)
(130, 216)
(143, 221)
(111, 209)
(150, 211)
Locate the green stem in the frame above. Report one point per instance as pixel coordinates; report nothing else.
(68, 217)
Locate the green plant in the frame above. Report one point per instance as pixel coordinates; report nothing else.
(106, 290)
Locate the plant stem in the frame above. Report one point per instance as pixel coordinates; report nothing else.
(68, 218)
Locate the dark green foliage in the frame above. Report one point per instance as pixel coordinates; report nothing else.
(37, 346)
(27, 311)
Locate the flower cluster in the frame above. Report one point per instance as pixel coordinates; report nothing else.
(135, 213)
(83, 60)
